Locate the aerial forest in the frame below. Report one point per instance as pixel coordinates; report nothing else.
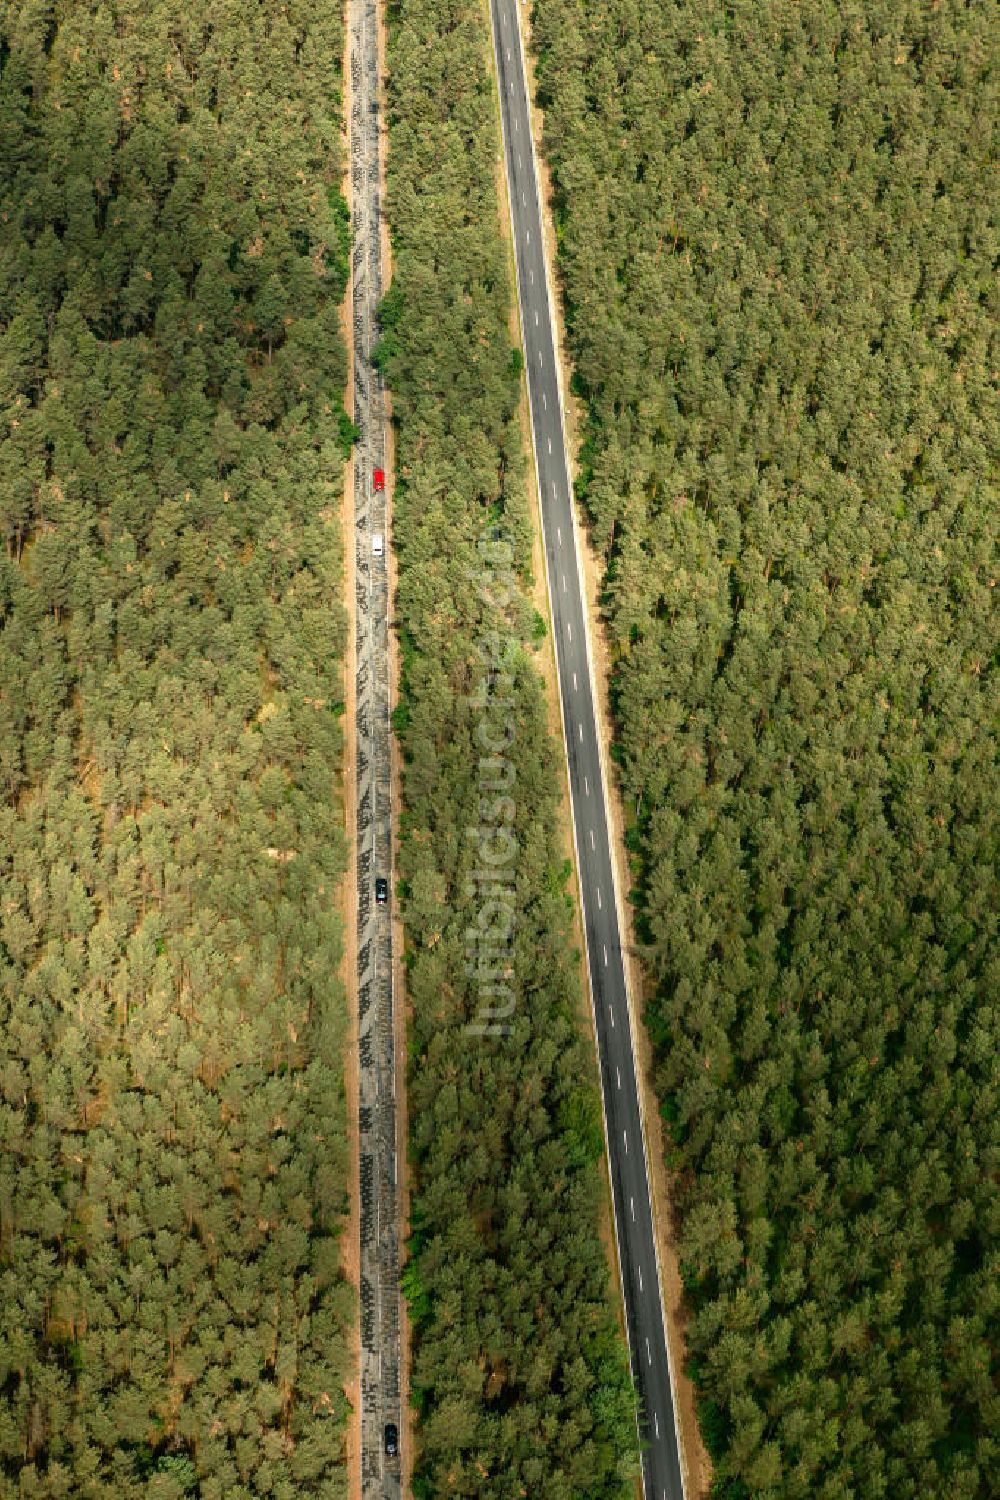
(778, 261)
(519, 1374)
(173, 1163)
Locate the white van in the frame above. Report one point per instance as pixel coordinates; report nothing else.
(377, 544)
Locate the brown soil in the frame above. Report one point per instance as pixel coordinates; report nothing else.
(351, 1239)
(545, 661)
(401, 1009)
(694, 1458)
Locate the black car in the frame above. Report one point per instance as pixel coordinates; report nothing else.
(381, 890)
(391, 1440)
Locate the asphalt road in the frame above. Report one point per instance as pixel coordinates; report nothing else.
(623, 1122)
(379, 1234)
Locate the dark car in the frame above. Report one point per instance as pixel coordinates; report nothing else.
(391, 1440)
(381, 890)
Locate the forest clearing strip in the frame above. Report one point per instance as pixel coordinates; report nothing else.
(547, 666)
(489, 1186)
(377, 1023)
(696, 1461)
(351, 1245)
(401, 1006)
(637, 1241)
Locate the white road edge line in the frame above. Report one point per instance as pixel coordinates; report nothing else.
(515, 98)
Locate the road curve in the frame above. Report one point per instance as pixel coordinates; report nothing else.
(624, 1134)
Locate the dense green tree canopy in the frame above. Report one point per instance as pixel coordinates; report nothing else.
(777, 231)
(173, 1318)
(519, 1372)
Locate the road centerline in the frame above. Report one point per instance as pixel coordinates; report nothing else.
(629, 1176)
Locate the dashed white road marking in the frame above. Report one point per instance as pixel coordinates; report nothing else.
(580, 728)
(524, 204)
(569, 632)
